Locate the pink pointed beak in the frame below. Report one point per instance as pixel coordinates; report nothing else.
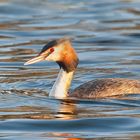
(35, 60)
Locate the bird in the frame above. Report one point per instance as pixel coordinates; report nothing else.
(62, 52)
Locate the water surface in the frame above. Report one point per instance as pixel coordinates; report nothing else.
(105, 34)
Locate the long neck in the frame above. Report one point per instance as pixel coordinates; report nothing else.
(62, 84)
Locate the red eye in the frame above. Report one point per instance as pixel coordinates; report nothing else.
(51, 50)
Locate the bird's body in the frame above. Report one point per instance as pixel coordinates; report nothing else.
(62, 52)
(101, 88)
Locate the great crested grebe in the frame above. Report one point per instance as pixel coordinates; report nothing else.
(64, 55)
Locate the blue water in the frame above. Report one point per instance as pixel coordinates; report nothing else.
(105, 33)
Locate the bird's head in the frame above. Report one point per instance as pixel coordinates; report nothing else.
(60, 51)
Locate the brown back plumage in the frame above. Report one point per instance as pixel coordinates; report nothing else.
(107, 87)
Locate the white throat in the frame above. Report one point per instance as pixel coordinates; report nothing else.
(62, 84)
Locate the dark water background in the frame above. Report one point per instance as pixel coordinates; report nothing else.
(106, 35)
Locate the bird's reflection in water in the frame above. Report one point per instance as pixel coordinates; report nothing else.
(67, 110)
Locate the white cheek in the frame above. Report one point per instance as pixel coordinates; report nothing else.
(52, 58)
(55, 56)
